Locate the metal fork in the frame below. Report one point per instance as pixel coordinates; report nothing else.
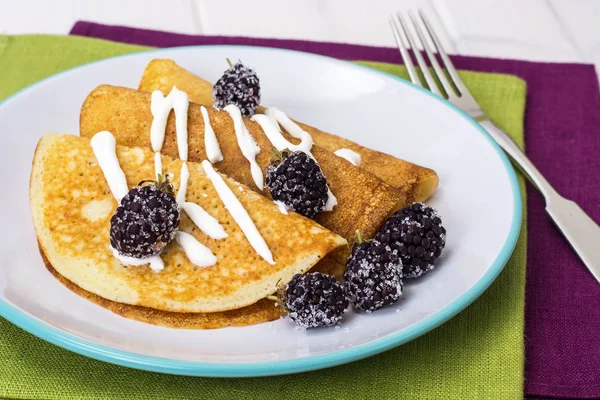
(579, 229)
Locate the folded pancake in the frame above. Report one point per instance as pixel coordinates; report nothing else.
(262, 311)
(72, 204)
(417, 183)
(364, 200)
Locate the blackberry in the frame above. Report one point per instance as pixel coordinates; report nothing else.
(297, 180)
(314, 300)
(239, 86)
(145, 221)
(416, 232)
(373, 276)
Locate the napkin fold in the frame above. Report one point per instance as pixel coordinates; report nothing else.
(477, 354)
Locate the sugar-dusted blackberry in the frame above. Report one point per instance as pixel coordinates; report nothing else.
(239, 86)
(145, 221)
(373, 276)
(416, 232)
(297, 180)
(314, 300)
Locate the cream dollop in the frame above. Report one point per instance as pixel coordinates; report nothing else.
(351, 156)
(104, 147)
(239, 213)
(247, 144)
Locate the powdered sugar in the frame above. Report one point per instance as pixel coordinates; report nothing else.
(373, 276)
(239, 86)
(145, 221)
(416, 232)
(315, 300)
(299, 183)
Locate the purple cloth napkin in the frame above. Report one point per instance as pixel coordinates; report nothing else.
(562, 132)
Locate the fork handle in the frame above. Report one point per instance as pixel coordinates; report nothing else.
(519, 158)
(578, 228)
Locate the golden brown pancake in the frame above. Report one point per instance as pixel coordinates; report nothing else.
(262, 311)
(417, 183)
(72, 205)
(364, 200)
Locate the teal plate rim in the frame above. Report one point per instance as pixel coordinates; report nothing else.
(90, 349)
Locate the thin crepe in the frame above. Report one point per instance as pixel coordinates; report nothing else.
(364, 200)
(72, 205)
(262, 311)
(416, 182)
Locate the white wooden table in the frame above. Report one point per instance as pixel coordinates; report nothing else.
(541, 30)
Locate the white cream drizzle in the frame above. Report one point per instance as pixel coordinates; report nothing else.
(278, 116)
(211, 144)
(178, 101)
(184, 175)
(156, 263)
(204, 221)
(351, 156)
(331, 200)
(160, 107)
(157, 164)
(239, 213)
(195, 251)
(104, 147)
(273, 133)
(281, 206)
(247, 144)
(270, 126)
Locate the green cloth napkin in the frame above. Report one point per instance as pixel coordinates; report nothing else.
(476, 355)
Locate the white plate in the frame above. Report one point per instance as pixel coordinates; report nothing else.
(478, 199)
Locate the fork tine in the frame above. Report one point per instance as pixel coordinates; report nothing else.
(412, 72)
(413, 45)
(432, 59)
(445, 59)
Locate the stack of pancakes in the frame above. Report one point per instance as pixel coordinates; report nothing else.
(72, 206)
